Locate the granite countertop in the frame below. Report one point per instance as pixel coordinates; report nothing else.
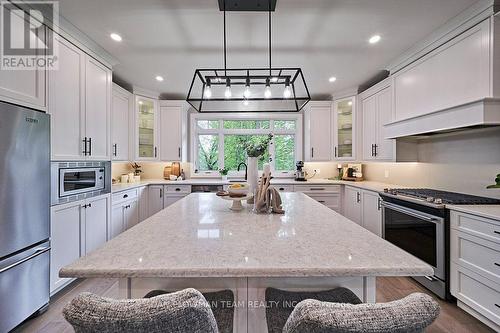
(199, 236)
(368, 185)
(487, 211)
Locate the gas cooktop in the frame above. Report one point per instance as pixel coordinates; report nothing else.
(439, 198)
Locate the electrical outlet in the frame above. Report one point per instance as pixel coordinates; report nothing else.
(318, 171)
(386, 173)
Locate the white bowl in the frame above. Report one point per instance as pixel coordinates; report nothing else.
(173, 177)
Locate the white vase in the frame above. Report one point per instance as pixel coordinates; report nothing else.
(252, 175)
(224, 178)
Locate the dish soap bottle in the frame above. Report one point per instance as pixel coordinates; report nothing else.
(183, 175)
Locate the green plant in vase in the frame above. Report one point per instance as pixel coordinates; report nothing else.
(497, 180)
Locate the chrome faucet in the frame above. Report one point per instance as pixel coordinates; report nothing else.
(246, 169)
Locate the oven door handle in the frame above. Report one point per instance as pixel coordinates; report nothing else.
(412, 212)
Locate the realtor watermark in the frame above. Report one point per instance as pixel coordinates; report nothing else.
(27, 35)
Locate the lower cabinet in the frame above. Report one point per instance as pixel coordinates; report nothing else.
(77, 228)
(174, 193)
(124, 216)
(328, 195)
(155, 198)
(142, 194)
(363, 207)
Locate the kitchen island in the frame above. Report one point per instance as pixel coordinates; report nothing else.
(198, 242)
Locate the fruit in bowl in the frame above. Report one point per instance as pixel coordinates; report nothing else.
(238, 190)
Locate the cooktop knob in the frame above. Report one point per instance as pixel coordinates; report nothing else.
(438, 201)
(429, 199)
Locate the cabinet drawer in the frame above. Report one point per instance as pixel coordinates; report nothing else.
(331, 201)
(476, 254)
(283, 188)
(317, 188)
(478, 226)
(479, 293)
(124, 196)
(169, 189)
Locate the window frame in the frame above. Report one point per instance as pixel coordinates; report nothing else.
(221, 131)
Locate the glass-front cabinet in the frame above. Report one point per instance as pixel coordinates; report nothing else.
(146, 128)
(344, 128)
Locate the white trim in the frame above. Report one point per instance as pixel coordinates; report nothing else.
(194, 131)
(145, 92)
(376, 88)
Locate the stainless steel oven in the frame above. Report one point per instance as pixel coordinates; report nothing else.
(421, 232)
(73, 181)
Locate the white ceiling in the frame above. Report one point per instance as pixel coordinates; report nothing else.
(324, 37)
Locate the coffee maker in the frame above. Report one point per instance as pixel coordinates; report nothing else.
(300, 175)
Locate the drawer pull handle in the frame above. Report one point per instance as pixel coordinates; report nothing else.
(177, 189)
(321, 201)
(498, 306)
(125, 196)
(282, 189)
(497, 264)
(497, 232)
(317, 189)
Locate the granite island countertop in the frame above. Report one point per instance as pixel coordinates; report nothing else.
(199, 236)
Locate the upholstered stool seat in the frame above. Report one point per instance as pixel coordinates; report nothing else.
(221, 303)
(183, 311)
(281, 303)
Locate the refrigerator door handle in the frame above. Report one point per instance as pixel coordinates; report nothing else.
(37, 253)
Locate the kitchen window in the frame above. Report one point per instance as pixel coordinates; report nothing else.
(217, 142)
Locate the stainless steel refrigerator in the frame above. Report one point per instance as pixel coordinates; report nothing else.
(24, 213)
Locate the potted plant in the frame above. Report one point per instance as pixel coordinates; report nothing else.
(497, 180)
(223, 172)
(137, 171)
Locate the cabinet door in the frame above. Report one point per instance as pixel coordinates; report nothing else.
(318, 131)
(371, 212)
(65, 240)
(143, 203)
(24, 87)
(96, 223)
(119, 124)
(385, 147)
(369, 127)
(352, 206)
(117, 220)
(344, 129)
(155, 199)
(66, 103)
(171, 133)
(131, 214)
(146, 128)
(98, 109)
(170, 199)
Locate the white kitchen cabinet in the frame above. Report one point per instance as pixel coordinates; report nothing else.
(77, 228)
(98, 109)
(96, 216)
(352, 204)
(142, 194)
(344, 128)
(174, 193)
(328, 195)
(121, 106)
(146, 129)
(117, 221)
(25, 87)
(155, 198)
(377, 111)
(318, 132)
(125, 215)
(66, 105)
(171, 130)
(65, 230)
(371, 212)
(80, 106)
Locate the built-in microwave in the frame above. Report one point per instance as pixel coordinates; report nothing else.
(72, 181)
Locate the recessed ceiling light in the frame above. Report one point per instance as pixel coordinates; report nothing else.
(332, 79)
(374, 39)
(116, 37)
(159, 78)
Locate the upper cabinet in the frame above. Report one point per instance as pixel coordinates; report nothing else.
(171, 133)
(80, 106)
(121, 106)
(25, 87)
(146, 128)
(318, 131)
(344, 129)
(376, 112)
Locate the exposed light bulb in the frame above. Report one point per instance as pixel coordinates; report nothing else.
(287, 92)
(245, 102)
(247, 92)
(274, 79)
(208, 92)
(228, 93)
(267, 91)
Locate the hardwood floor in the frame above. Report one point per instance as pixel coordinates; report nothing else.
(451, 320)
